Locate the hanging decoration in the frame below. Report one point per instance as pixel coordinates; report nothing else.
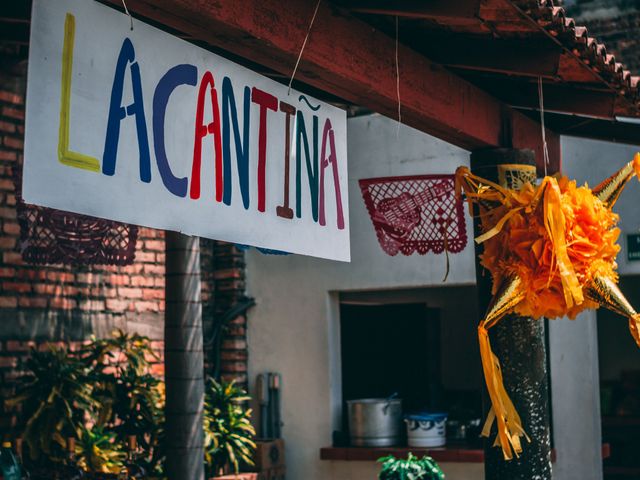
(49, 236)
(415, 213)
(551, 252)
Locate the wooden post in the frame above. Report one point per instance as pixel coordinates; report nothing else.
(184, 360)
(518, 342)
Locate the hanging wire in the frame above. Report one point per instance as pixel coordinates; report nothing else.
(398, 83)
(545, 150)
(304, 44)
(126, 10)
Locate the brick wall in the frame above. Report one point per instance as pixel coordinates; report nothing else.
(61, 303)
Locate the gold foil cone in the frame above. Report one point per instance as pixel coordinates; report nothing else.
(609, 190)
(506, 298)
(605, 292)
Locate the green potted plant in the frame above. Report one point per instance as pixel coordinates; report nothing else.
(98, 453)
(53, 398)
(100, 404)
(228, 430)
(411, 468)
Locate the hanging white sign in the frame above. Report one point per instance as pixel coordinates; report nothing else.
(139, 126)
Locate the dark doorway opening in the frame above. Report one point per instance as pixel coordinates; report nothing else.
(389, 349)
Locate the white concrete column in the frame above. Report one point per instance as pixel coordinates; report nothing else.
(575, 398)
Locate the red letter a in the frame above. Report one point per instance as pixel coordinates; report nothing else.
(201, 132)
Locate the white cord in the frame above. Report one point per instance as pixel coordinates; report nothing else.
(398, 83)
(304, 44)
(126, 10)
(545, 150)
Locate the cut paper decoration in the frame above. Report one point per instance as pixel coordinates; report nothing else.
(50, 236)
(551, 252)
(415, 213)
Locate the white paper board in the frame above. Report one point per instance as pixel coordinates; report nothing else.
(129, 153)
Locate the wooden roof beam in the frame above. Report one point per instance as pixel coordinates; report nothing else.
(347, 58)
(510, 57)
(432, 9)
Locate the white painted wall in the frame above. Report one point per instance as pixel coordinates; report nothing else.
(573, 352)
(294, 327)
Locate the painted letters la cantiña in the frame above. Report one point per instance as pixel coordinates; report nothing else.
(219, 130)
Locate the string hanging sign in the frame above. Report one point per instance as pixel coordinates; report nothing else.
(141, 127)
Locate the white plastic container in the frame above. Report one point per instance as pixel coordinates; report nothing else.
(426, 429)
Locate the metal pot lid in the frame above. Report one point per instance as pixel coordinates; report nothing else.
(427, 416)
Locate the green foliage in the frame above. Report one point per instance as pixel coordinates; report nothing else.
(107, 385)
(131, 399)
(97, 451)
(413, 468)
(53, 397)
(228, 430)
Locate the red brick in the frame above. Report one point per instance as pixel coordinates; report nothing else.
(11, 228)
(117, 305)
(62, 303)
(32, 302)
(10, 199)
(119, 280)
(238, 378)
(84, 277)
(155, 294)
(16, 287)
(227, 273)
(10, 156)
(18, 346)
(154, 245)
(239, 367)
(233, 355)
(12, 258)
(6, 184)
(11, 97)
(154, 269)
(7, 127)
(47, 289)
(7, 243)
(239, 320)
(130, 292)
(236, 331)
(13, 112)
(6, 212)
(8, 302)
(13, 142)
(147, 306)
(6, 272)
(32, 274)
(60, 276)
(92, 305)
(235, 344)
(142, 281)
(11, 362)
(157, 369)
(147, 257)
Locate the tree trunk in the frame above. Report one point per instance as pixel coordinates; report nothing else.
(184, 360)
(518, 342)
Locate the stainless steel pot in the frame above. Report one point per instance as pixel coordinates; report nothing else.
(375, 422)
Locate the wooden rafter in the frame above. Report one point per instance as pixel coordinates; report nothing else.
(347, 58)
